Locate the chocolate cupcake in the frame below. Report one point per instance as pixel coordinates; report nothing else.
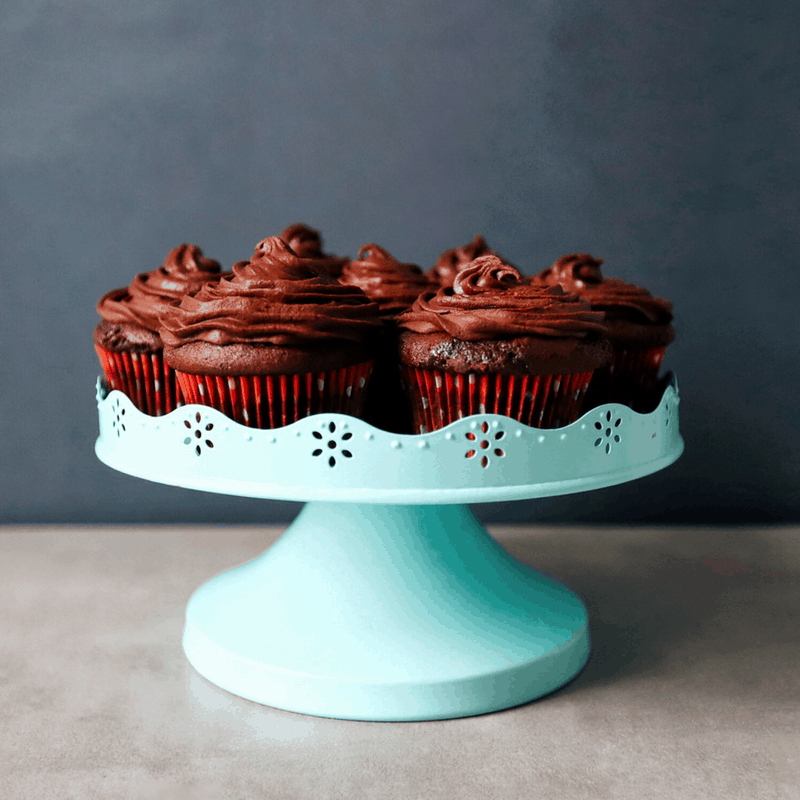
(394, 286)
(307, 243)
(127, 340)
(278, 341)
(639, 329)
(452, 261)
(494, 344)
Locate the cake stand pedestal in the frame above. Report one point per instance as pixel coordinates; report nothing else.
(386, 599)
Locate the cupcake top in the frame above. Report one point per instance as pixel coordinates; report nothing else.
(451, 262)
(489, 300)
(307, 243)
(621, 301)
(277, 300)
(393, 285)
(492, 321)
(185, 270)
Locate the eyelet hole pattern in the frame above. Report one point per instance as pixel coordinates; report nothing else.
(200, 432)
(606, 429)
(331, 444)
(484, 444)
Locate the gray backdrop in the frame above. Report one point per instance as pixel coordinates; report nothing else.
(661, 136)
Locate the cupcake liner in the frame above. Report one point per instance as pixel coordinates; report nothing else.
(272, 401)
(145, 378)
(630, 378)
(541, 401)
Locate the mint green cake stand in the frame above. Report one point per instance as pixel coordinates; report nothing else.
(386, 599)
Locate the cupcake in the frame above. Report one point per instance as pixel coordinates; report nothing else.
(451, 262)
(494, 344)
(277, 341)
(394, 286)
(639, 330)
(307, 243)
(127, 340)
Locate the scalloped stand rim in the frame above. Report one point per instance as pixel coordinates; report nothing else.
(334, 457)
(667, 381)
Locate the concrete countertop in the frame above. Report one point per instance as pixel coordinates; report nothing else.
(692, 690)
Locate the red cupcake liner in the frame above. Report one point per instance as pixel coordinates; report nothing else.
(540, 401)
(630, 378)
(272, 401)
(145, 378)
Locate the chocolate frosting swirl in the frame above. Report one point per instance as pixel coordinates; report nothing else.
(490, 301)
(451, 262)
(307, 243)
(393, 285)
(580, 273)
(185, 270)
(276, 298)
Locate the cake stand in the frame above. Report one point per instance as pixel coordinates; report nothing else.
(386, 599)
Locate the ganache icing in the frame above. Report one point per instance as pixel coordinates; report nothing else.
(580, 273)
(276, 298)
(184, 271)
(489, 300)
(307, 243)
(392, 284)
(452, 261)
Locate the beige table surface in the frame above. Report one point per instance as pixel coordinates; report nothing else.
(692, 690)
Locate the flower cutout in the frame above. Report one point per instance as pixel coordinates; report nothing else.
(332, 446)
(118, 423)
(200, 434)
(608, 431)
(483, 443)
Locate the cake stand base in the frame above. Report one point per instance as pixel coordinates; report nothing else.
(386, 612)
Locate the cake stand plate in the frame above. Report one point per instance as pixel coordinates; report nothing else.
(386, 599)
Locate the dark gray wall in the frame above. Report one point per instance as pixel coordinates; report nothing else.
(661, 136)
